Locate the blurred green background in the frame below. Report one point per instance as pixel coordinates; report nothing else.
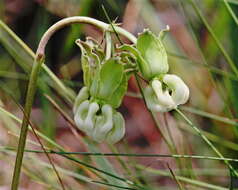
(202, 48)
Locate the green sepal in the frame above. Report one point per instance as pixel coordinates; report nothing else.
(153, 53)
(91, 58)
(117, 96)
(110, 84)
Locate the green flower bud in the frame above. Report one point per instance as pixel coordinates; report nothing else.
(153, 59)
(175, 93)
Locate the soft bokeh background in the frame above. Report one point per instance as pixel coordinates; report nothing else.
(202, 62)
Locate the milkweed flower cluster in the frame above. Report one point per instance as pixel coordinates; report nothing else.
(165, 91)
(98, 122)
(163, 100)
(106, 77)
(105, 85)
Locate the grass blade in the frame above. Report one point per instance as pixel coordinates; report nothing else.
(229, 9)
(207, 141)
(217, 41)
(183, 179)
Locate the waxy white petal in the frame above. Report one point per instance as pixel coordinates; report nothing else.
(109, 125)
(152, 101)
(160, 100)
(163, 97)
(82, 96)
(118, 131)
(91, 117)
(103, 124)
(180, 91)
(81, 114)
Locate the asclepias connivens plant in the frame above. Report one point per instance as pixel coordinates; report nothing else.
(106, 73)
(105, 80)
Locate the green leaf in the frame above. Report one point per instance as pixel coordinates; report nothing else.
(94, 88)
(110, 77)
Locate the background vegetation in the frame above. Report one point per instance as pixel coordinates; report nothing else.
(202, 47)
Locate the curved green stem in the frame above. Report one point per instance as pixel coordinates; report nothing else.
(39, 60)
(24, 127)
(80, 19)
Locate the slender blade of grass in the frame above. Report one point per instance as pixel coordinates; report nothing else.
(231, 12)
(101, 154)
(41, 144)
(207, 141)
(183, 179)
(216, 40)
(175, 178)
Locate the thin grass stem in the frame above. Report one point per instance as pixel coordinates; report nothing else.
(229, 9)
(125, 154)
(207, 141)
(181, 178)
(217, 41)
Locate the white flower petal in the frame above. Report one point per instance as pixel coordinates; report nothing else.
(180, 91)
(152, 102)
(91, 117)
(82, 96)
(103, 124)
(118, 131)
(106, 126)
(163, 97)
(81, 114)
